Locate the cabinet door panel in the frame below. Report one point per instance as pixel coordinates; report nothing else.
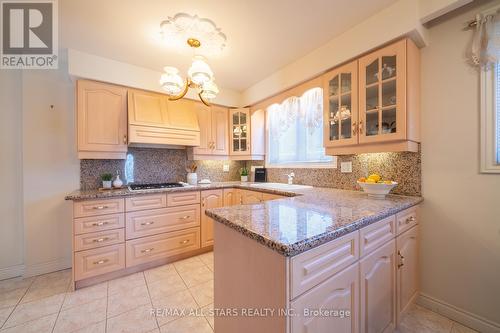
(378, 290)
(230, 197)
(102, 117)
(239, 131)
(340, 292)
(147, 108)
(407, 271)
(204, 115)
(250, 197)
(220, 124)
(209, 199)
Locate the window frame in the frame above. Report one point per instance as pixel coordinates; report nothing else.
(488, 130)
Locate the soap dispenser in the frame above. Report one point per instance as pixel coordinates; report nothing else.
(117, 183)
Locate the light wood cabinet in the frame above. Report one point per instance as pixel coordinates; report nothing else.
(250, 197)
(101, 120)
(407, 270)
(230, 197)
(378, 290)
(209, 199)
(374, 107)
(247, 134)
(214, 127)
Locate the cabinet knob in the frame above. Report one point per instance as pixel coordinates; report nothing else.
(184, 241)
(185, 217)
(360, 127)
(125, 139)
(99, 207)
(100, 240)
(148, 250)
(401, 260)
(147, 223)
(354, 129)
(410, 219)
(100, 262)
(99, 224)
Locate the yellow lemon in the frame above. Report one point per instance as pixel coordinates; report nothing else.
(370, 181)
(375, 177)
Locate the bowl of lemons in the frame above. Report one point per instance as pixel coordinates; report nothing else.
(375, 186)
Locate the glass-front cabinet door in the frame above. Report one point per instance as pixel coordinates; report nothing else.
(240, 131)
(382, 77)
(340, 105)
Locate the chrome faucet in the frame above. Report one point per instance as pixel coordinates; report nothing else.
(291, 176)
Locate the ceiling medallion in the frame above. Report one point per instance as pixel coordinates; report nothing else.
(202, 35)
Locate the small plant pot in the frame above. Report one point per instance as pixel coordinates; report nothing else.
(106, 183)
(244, 178)
(192, 178)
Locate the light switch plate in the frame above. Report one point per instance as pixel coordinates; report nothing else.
(225, 168)
(346, 167)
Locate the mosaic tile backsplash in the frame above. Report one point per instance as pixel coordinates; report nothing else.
(154, 165)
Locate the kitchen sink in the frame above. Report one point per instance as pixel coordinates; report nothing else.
(280, 186)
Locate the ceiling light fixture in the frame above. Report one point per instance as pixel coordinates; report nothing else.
(200, 76)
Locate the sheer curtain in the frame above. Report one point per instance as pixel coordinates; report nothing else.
(296, 130)
(485, 47)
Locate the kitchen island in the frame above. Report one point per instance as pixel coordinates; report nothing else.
(324, 260)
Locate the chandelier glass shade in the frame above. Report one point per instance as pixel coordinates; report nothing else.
(199, 72)
(171, 81)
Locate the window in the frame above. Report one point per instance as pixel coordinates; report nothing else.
(295, 132)
(490, 120)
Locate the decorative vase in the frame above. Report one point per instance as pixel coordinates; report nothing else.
(192, 178)
(244, 178)
(106, 183)
(117, 183)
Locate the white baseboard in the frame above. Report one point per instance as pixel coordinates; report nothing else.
(47, 267)
(466, 318)
(11, 272)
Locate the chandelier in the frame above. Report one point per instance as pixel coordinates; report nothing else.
(203, 36)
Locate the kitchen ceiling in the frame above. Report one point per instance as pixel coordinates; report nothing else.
(263, 36)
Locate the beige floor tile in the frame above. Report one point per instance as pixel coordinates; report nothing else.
(203, 293)
(165, 287)
(12, 297)
(208, 313)
(459, 328)
(207, 258)
(211, 267)
(159, 273)
(48, 285)
(4, 314)
(135, 297)
(187, 325)
(178, 302)
(188, 264)
(135, 321)
(81, 316)
(34, 310)
(40, 325)
(197, 276)
(85, 295)
(122, 285)
(99, 327)
(15, 283)
(421, 320)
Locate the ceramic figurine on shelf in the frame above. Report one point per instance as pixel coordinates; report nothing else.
(117, 183)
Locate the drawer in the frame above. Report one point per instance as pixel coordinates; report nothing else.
(139, 224)
(183, 198)
(146, 202)
(406, 219)
(99, 239)
(99, 261)
(376, 235)
(318, 264)
(98, 223)
(97, 207)
(144, 250)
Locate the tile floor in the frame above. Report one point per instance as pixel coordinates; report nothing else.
(45, 304)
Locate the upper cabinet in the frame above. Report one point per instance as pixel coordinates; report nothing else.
(101, 120)
(374, 106)
(239, 131)
(214, 140)
(153, 119)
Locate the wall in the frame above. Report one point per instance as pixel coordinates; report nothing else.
(50, 168)
(461, 225)
(155, 165)
(11, 227)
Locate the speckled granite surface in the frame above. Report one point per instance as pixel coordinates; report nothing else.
(155, 165)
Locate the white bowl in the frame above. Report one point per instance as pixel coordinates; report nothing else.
(377, 190)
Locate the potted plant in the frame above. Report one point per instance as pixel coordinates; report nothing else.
(244, 174)
(106, 180)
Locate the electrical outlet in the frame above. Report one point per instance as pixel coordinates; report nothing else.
(346, 167)
(225, 168)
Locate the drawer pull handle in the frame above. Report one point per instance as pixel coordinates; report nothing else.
(185, 241)
(401, 260)
(100, 240)
(100, 262)
(185, 217)
(99, 207)
(99, 224)
(410, 219)
(147, 223)
(148, 250)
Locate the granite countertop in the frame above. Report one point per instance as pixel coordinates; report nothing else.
(306, 218)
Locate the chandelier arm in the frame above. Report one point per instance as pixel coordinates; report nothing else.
(183, 92)
(202, 99)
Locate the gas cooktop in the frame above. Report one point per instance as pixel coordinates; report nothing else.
(141, 187)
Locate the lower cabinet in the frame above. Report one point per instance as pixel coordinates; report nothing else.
(341, 292)
(378, 290)
(209, 199)
(250, 197)
(407, 270)
(230, 197)
(99, 261)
